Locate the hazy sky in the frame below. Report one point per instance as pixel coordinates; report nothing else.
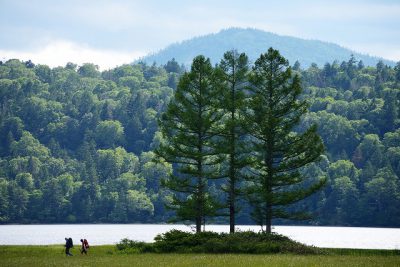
(110, 33)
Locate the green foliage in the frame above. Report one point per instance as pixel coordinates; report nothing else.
(64, 152)
(89, 70)
(126, 246)
(358, 124)
(188, 127)
(176, 241)
(233, 71)
(29, 146)
(275, 109)
(59, 163)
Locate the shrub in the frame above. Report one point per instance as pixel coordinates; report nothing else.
(131, 246)
(211, 242)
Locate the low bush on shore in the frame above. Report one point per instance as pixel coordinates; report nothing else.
(176, 241)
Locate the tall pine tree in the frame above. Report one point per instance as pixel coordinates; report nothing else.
(233, 70)
(188, 127)
(279, 152)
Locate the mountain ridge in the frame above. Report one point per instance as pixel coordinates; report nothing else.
(254, 42)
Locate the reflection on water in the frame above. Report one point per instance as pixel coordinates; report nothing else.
(98, 234)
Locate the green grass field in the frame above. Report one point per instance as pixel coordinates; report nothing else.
(109, 256)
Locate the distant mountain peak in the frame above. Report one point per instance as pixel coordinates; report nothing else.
(254, 42)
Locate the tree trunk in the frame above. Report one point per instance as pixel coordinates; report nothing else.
(200, 194)
(200, 203)
(198, 224)
(269, 218)
(232, 165)
(232, 208)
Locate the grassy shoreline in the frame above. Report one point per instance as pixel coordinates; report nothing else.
(108, 255)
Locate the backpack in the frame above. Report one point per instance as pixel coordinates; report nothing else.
(70, 243)
(85, 243)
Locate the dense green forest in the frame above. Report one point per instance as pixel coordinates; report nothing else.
(76, 144)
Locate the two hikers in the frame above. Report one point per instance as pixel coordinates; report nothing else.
(69, 244)
(85, 246)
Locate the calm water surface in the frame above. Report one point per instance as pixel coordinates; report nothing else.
(99, 234)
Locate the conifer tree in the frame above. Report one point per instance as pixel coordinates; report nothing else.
(279, 152)
(188, 127)
(233, 70)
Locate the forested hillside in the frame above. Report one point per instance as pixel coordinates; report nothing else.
(357, 110)
(253, 42)
(76, 144)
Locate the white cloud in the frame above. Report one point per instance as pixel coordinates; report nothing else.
(59, 52)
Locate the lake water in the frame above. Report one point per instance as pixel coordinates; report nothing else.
(99, 234)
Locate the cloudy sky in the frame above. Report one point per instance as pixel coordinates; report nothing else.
(110, 33)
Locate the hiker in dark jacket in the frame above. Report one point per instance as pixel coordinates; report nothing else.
(68, 246)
